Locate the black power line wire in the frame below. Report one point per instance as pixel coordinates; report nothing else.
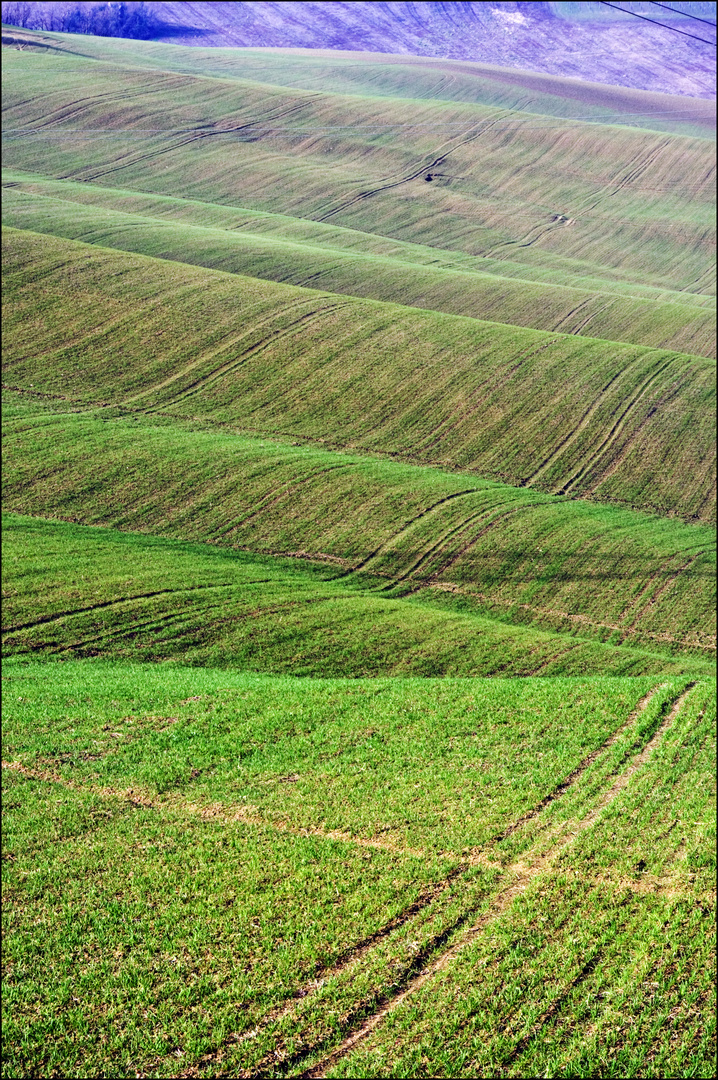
(656, 23)
(685, 14)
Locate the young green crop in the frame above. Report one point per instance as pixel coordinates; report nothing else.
(516, 555)
(605, 315)
(602, 963)
(561, 194)
(563, 414)
(216, 872)
(76, 591)
(314, 235)
(175, 893)
(405, 76)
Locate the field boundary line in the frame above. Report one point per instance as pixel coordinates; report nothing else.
(217, 812)
(524, 873)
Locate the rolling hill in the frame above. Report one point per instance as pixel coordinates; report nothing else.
(584, 40)
(359, 549)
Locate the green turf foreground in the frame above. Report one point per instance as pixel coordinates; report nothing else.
(213, 873)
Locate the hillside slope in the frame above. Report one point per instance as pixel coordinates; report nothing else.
(330, 258)
(586, 41)
(305, 394)
(398, 530)
(566, 415)
(583, 198)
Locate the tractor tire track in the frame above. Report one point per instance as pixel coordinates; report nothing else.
(662, 589)
(386, 544)
(416, 974)
(104, 605)
(198, 385)
(458, 530)
(580, 329)
(427, 167)
(474, 539)
(523, 874)
(479, 857)
(226, 343)
(614, 432)
(583, 423)
(581, 768)
(618, 182)
(196, 136)
(565, 318)
(451, 533)
(613, 466)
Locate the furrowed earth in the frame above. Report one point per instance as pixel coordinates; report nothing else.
(359, 551)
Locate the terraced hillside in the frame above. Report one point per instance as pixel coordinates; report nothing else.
(359, 548)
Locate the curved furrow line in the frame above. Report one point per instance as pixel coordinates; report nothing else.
(564, 318)
(225, 343)
(589, 318)
(613, 186)
(487, 528)
(226, 369)
(558, 221)
(386, 544)
(458, 530)
(522, 873)
(81, 104)
(118, 633)
(439, 160)
(113, 603)
(277, 494)
(614, 432)
(583, 423)
(662, 589)
(198, 385)
(194, 136)
(447, 536)
(612, 466)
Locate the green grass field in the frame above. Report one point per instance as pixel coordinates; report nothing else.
(359, 568)
(616, 422)
(511, 554)
(673, 324)
(257, 864)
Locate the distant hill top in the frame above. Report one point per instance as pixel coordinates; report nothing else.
(591, 41)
